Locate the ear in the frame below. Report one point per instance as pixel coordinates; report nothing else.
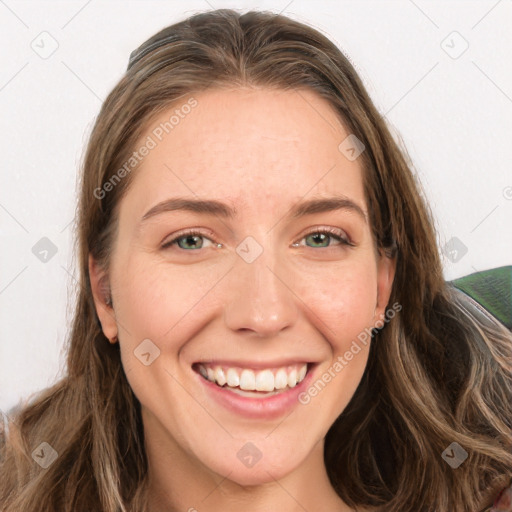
(386, 268)
(102, 300)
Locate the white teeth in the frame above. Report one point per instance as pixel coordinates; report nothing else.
(281, 379)
(248, 380)
(219, 376)
(302, 373)
(232, 378)
(292, 378)
(265, 381)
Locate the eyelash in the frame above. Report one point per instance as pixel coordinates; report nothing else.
(333, 232)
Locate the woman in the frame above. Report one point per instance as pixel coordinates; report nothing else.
(262, 321)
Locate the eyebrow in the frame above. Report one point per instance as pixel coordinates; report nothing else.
(214, 207)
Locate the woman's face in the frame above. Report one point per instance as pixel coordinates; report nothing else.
(277, 295)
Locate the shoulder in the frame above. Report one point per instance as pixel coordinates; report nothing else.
(492, 290)
(503, 502)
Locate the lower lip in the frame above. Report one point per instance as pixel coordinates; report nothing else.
(266, 407)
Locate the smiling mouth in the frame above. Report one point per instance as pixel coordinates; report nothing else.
(248, 382)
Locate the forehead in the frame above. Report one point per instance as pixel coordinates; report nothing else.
(253, 146)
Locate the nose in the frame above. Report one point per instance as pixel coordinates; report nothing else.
(259, 297)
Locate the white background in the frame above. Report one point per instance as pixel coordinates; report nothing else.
(453, 114)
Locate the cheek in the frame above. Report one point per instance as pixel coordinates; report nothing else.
(157, 297)
(343, 301)
(342, 310)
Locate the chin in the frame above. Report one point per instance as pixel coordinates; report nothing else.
(259, 470)
(248, 477)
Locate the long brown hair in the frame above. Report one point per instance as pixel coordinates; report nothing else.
(438, 373)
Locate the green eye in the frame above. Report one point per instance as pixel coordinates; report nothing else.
(320, 238)
(186, 241)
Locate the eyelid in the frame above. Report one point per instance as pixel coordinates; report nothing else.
(329, 230)
(344, 238)
(190, 232)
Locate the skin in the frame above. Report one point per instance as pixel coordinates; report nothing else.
(261, 151)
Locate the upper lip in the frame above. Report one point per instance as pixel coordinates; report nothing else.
(256, 365)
